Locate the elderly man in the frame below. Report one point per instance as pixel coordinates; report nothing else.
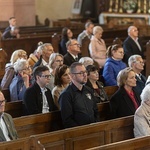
(45, 51)
(132, 44)
(77, 102)
(7, 128)
(38, 98)
(86, 33)
(73, 48)
(137, 64)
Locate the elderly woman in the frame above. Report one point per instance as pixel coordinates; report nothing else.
(113, 64)
(142, 115)
(126, 100)
(61, 81)
(95, 85)
(97, 47)
(21, 81)
(9, 69)
(86, 61)
(55, 60)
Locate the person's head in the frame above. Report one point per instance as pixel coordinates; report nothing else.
(47, 50)
(145, 95)
(41, 75)
(133, 32)
(86, 61)
(78, 73)
(62, 76)
(67, 33)
(92, 73)
(126, 77)
(18, 54)
(15, 30)
(21, 66)
(12, 21)
(89, 27)
(136, 63)
(2, 103)
(115, 51)
(97, 32)
(73, 46)
(56, 60)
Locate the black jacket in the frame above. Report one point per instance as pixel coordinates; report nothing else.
(121, 104)
(34, 102)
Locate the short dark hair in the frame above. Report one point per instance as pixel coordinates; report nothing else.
(91, 68)
(64, 33)
(111, 48)
(58, 74)
(12, 18)
(74, 65)
(37, 71)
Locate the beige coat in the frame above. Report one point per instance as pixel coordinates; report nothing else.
(97, 50)
(142, 121)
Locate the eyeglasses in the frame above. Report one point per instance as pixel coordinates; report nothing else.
(2, 101)
(140, 62)
(76, 44)
(46, 76)
(80, 73)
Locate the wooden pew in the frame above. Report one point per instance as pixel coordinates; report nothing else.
(15, 109)
(27, 44)
(41, 123)
(87, 136)
(37, 124)
(141, 143)
(110, 90)
(20, 144)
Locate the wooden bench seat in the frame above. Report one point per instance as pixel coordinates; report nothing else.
(79, 138)
(41, 123)
(141, 143)
(20, 144)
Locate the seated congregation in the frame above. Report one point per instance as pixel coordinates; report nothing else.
(65, 80)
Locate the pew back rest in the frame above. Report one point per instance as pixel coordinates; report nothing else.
(15, 109)
(96, 134)
(38, 123)
(142, 143)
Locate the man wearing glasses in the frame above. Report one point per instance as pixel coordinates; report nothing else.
(77, 103)
(73, 50)
(7, 128)
(38, 98)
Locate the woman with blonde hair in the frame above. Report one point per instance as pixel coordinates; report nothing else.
(55, 60)
(9, 69)
(126, 100)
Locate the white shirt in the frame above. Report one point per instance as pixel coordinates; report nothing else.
(45, 108)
